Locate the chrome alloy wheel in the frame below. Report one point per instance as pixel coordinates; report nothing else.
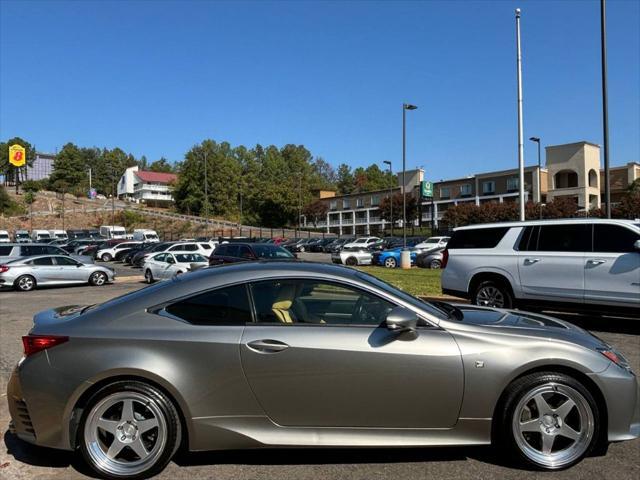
(490, 296)
(125, 433)
(390, 262)
(26, 283)
(553, 425)
(98, 278)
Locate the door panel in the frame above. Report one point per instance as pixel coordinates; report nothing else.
(354, 376)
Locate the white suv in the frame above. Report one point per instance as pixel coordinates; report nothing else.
(577, 265)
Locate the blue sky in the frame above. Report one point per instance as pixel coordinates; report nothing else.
(156, 77)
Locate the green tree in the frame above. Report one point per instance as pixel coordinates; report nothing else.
(69, 167)
(8, 170)
(396, 200)
(345, 180)
(161, 165)
(7, 206)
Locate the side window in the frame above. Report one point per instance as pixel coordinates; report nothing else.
(613, 239)
(477, 238)
(245, 252)
(42, 261)
(225, 306)
(33, 250)
(205, 246)
(5, 251)
(528, 239)
(53, 251)
(294, 301)
(66, 261)
(162, 257)
(190, 247)
(233, 251)
(221, 250)
(565, 238)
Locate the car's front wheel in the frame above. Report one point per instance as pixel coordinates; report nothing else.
(129, 430)
(148, 276)
(106, 257)
(551, 421)
(351, 261)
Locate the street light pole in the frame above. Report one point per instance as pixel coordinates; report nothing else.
(405, 107)
(537, 140)
(520, 137)
(388, 162)
(605, 105)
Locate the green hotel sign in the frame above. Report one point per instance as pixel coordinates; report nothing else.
(426, 189)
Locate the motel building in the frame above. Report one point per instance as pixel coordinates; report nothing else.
(141, 186)
(570, 171)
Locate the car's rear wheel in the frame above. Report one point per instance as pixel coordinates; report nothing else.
(351, 261)
(106, 257)
(390, 262)
(148, 276)
(492, 294)
(25, 283)
(551, 421)
(129, 430)
(97, 279)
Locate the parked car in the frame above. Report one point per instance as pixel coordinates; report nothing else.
(27, 273)
(352, 257)
(145, 235)
(113, 231)
(139, 257)
(575, 264)
(40, 235)
(21, 236)
(122, 252)
(321, 244)
(272, 354)
(59, 234)
(4, 237)
(143, 248)
(306, 245)
(430, 259)
(83, 233)
(164, 265)
(337, 245)
(361, 242)
(391, 258)
(243, 252)
(107, 252)
(12, 251)
(432, 243)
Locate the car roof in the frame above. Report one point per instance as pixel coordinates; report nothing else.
(559, 221)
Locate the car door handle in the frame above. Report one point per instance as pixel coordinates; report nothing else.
(596, 261)
(267, 346)
(531, 261)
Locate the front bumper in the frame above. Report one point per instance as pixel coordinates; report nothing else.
(622, 394)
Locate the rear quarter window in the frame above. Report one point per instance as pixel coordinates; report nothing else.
(4, 251)
(477, 238)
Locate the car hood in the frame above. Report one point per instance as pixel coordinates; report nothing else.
(524, 323)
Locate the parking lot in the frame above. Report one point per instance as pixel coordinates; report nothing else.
(20, 460)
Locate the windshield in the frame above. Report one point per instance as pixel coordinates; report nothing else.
(271, 251)
(190, 258)
(22, 235)
(4, 235)
(151, 236)
(410, 299)
(43, 235)
(119, 231)
(61, 235)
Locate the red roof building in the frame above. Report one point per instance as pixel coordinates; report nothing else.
(143, 186)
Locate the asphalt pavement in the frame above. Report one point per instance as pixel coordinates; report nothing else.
(20, 460)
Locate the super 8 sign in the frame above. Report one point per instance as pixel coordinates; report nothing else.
(17, 155)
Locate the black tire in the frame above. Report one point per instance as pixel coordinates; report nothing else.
(106, 257)
(435, 264)
(171, 423)
(557, 382)
(98, 279)
(490, 293)
(25, 283)
(351, 261)
(148, 276)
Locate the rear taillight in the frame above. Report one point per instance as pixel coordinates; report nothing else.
(36, 343)
(445, 258)
(4, 268)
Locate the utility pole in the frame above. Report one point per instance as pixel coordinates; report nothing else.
(300, 202)
(405, 107)
(605, 105)
(206, 195)
(113, 195)
(520, 128)
(388, 162)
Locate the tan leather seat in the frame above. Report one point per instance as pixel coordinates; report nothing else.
(281, 307)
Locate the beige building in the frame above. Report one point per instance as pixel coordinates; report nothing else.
(570, 171)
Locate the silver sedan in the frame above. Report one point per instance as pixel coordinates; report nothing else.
(295, 354)
(27, 273)
(352, 256)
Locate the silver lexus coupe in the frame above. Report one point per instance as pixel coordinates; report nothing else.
(304, 354)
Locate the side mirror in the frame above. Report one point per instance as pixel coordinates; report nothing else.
(401, 319)
(636, 245)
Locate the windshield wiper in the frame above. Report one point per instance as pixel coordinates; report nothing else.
(449, 310)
